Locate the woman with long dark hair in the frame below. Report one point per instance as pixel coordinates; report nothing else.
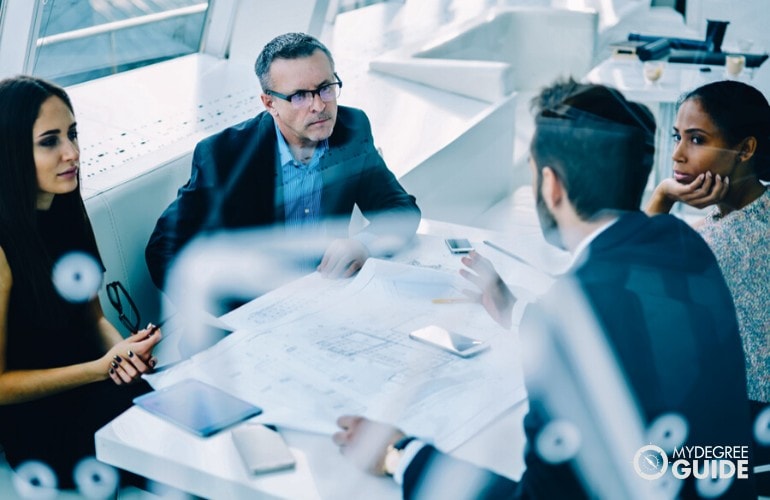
(722, 160)
(60, 359)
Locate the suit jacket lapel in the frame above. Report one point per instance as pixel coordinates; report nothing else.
(252, 182)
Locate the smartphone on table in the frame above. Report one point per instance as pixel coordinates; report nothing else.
(453, 342)
(459, 245)
(262, 449)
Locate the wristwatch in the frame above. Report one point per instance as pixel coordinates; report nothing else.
(393, 455)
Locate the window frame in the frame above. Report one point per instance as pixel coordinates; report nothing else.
(20, 26)
(18, 36)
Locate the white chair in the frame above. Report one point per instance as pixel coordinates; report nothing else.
(123, 218)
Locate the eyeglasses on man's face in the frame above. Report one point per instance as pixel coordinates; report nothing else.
(302, 99)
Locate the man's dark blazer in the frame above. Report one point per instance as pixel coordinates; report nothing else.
(233, 178)
(658, 292)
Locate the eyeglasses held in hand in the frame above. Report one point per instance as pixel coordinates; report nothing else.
(118, 295)
(304, 98)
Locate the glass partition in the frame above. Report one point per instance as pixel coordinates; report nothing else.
(79, 40)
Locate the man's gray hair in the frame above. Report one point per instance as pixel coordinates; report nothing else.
(286, 46)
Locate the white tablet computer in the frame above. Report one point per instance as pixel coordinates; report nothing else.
(197, 407)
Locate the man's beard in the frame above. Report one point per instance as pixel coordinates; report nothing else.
(548, 224)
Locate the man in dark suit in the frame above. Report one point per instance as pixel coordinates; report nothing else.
(654, 288)
(301, 162)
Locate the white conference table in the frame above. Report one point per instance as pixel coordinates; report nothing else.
(210, 467)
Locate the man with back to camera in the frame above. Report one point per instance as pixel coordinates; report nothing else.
(652, 283)
(301, 161)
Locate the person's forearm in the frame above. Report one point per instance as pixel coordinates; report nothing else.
(398, 222)
(108, 334)
(659, 203)
(5, 294)
(384, 202)
(19, 386)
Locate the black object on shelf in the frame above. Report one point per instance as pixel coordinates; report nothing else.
(714, 58)
(674, 43)
(715, 33)
(657, 49)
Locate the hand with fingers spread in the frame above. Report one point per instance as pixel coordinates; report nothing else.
(365, 442)
(495, 295)
(130, 358)
(705, 190)
(343, 258)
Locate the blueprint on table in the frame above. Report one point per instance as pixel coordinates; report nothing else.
(317, 349)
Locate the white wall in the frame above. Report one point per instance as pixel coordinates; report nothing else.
(255, 25)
